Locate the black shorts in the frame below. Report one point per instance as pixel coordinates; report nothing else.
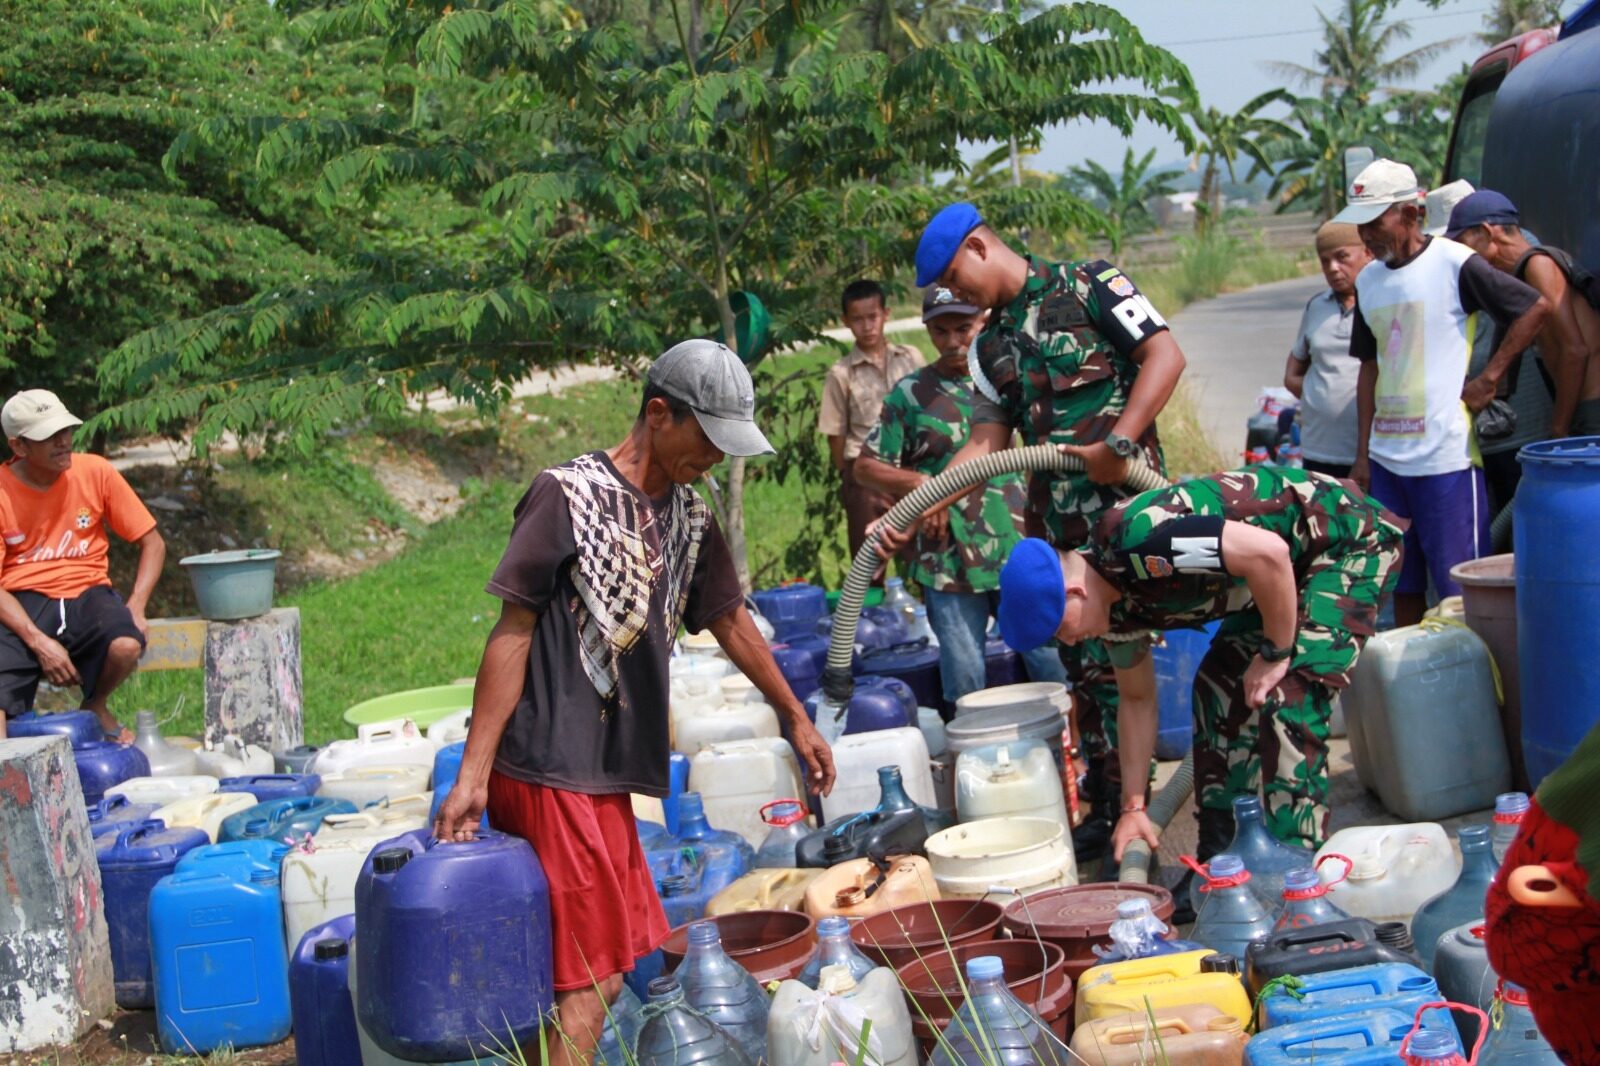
(85, 626)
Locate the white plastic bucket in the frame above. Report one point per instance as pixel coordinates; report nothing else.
(1026, 855)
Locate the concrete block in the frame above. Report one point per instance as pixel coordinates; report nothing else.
(175, 644)
(253, 687)
(55, 956)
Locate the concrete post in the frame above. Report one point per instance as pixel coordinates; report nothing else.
(253, 687)
(55, 956)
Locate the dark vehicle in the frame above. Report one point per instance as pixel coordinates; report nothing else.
(1529, 126)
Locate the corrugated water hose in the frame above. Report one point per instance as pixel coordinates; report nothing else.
(837, 681)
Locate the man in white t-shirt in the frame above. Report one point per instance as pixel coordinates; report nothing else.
(1415, 451)
(1321, 370)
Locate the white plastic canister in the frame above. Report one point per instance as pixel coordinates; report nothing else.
(367, 785)
(730, 721)
(1019, 778)
(449, 729)
(393, 743)
(1026, 855)
(737, 777)
(856, 759)
(1394, 869)
(320, 884)
(161, 791)
(821, 1026)
(233, 758)
(205, 811)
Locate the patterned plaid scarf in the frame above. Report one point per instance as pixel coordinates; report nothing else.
(625, 547)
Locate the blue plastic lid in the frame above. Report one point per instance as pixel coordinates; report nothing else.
(833, 925)
(985, 968)
(1432, 1044)
(1301, 878)
(1511, 803)
(1568, 450)
(1133, 908)
(1226, 865)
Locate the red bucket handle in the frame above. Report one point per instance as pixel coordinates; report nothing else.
(1416, 1025)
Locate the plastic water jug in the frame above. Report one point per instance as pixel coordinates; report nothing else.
(1461, 967)
(163, 790)
(1432, 1047)
(1369, 1037)
(371, 1053)
(931, 722)
(1137, 933)
(896, 598)
(786, 826)
(1424, 722)
(737, 778)
(894, 825)
(394, 743)
(1001, 665)
(1393, 869)
(725, 722)
(1509, 810)
(1335, 945)
(724, 991)
(451, 729)
(880, 627)
(443, 981)
(689, 876)
(861, 887)
(232, 758)
(771, 889)
(1177, 660)
(166, 760)
(1161, 982)
(1389, 984)
(621, 1030)
(993, 1027)
(834, 948)
(115, 813)
(1230, 917)
(792, 609)
(221, 966)
(677, 1035)
(821, 1026)
(1305, 901)
(319, 879)
(856, 759)
(271, 786)
(1463, 901)
(694, 827)
(446, 768)
(131, 862)
(365, 785)
(1018, 779)
(1267, 858)
(875, 703)
(295, 760)
(1194, 1035)
(1517, 1040)
(79, 727)
(914, 662)
(282, 819)
(205, 813)
(104, 767)
(1025, 855)
(240, 858)
(799, 668)
(319, 996)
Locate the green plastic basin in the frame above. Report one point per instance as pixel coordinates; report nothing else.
(423, 706)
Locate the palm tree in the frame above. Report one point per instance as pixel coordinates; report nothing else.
(1123, 198)
(1223, 137)
(1509, 18)
(1355, 59)
(1307, 166)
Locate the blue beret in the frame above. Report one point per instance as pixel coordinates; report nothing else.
(1033, 596)
(940, 239)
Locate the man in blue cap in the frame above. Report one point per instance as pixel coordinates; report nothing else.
(1074, 355)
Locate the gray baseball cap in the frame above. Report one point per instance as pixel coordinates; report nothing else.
(710, 378)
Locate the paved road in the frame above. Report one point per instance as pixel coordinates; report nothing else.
(1236, 344)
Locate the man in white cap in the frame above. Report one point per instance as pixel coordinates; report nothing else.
(609, 555)
(64, 621)
(1414, 446)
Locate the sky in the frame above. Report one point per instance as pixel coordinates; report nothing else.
(1226, 42)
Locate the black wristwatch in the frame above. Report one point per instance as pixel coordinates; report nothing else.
(1121, 446)
(1271, 653)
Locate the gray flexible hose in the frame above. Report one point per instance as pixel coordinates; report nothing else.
(1500, 529)
(1136, 856)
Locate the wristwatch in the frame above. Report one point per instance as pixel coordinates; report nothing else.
(1271, 653)
(1121, 446)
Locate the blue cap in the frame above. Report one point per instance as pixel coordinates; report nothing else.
(1483, 207)
(1432, 1044)
(1033, 597)
(985, 968)
(940, 239)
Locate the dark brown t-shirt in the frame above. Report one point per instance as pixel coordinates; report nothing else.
(564, 733)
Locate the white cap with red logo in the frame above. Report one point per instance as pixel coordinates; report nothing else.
(36, 414)
(1380, 185)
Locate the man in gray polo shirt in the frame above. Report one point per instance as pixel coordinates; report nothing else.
(1321, 370)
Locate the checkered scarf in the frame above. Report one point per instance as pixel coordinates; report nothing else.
(625, 547)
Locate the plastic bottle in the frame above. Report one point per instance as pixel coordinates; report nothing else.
(1266, 857)
(1516, 1040)
(1138, 934)
(787, 817)
(921, 628)
(621, 1030)
(1305, 901)
(1509, 809)
(675, 1034)
(724, 991)
(1433, 1047)
(993, 1027)
(166, 759)
(898, 600)
(834, 948)
(1463, 901)
(1229, 917)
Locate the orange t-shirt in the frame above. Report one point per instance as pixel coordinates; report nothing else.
(57, 542)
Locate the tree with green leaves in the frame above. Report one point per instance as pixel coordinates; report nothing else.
(617, 197)
(1222, 137)
(1124, 198)
(1357, 59)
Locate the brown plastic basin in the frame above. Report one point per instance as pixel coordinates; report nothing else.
(902, 934)
(1036, 974)
(1077, 919)
(772, 945)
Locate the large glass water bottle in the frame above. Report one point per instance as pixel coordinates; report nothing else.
(1266, 857)
(1509, 810)
(724, 991)
(1463, 901)
(993, 1027)
(1516, 1041)
(1305, 901)
(675, 1034)
(834, 948)
(1230, 917)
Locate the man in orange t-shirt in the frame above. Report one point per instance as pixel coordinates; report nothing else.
(59, 616)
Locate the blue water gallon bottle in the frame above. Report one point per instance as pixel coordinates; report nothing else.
(240, 857)
(267, 787)
(1509, 810)
(132, 861)
(993, 1027)
(319, 996)
(1516, 1040)
(693, 828)
(1305, 901)
(1267, 858)
(1229, 917)
(675, 1034)
(724, 991)
(454, 946)
(1463, 901)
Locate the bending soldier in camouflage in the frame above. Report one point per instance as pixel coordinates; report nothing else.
(1295, 564)
(1074, 355)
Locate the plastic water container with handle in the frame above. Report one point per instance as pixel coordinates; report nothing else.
(739, 720)
(205, 813)
(319, 878)
(163, 790)
(319, 996)
(115, 813)
(1197, 1034)
(103, 767)
(844, 1015)
(166, 759)
(1340, 945)
(282, 819)
(365, 785)
(397, 742)
(79, 727)
(271, 786)
(856, 759)
(737, 778)
(232, 758)
(451, 729)
(1160, 982)
(131, 863)
(1393, 869)
(1369, 1037)
(1389, 984)
(1019, 778)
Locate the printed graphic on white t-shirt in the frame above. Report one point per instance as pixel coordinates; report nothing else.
(1401, 411)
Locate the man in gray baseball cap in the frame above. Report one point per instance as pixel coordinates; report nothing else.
(610, 554)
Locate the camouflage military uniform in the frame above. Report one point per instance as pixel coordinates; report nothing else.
(1162, 552)
(1056, 365)
(924, 421)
